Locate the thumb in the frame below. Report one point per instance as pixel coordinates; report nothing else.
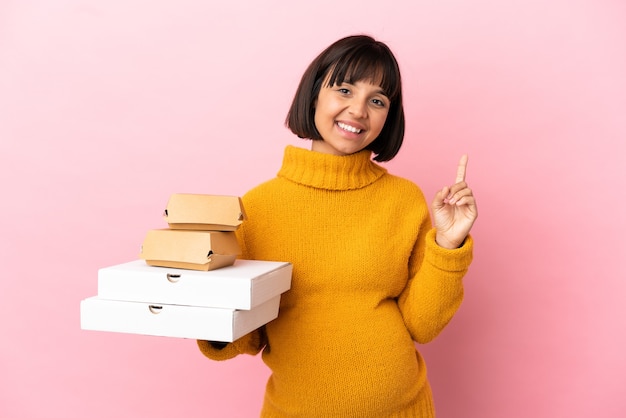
(440, 196)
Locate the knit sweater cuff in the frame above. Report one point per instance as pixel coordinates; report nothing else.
(455, 260)
(214, 353)
(250, 343)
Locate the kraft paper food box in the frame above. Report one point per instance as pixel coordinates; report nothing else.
(188, 249)
(204, 212)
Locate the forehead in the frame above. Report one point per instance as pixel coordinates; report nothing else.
(370, 84)
(353, 73)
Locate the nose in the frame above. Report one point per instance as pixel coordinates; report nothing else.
(358, 109)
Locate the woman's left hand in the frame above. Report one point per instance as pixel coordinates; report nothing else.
(454, 210)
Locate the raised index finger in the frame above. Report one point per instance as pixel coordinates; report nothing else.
(462, 167)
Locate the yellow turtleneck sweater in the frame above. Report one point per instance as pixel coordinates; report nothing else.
(368, 281)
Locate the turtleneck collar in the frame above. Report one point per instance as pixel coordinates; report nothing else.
(327, 171)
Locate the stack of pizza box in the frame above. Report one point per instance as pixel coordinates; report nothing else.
(188, 282)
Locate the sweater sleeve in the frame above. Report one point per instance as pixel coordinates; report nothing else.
(251, 343)
(434, 291)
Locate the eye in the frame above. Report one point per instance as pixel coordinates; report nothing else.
(343, 90)
(378, 102)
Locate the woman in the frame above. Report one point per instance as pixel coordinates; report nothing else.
(371, 275)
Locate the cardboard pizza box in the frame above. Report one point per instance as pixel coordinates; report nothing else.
(244, 285)
(194, 322)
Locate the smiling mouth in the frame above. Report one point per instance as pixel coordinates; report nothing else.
(348, 128)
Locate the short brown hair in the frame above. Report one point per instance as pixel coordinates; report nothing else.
(351, 59)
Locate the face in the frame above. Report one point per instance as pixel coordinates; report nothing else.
(349, 117)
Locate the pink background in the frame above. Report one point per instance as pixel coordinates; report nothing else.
(106, 108)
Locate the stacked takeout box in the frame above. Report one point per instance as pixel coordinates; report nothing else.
(189, 283)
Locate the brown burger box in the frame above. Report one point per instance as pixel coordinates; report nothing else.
(204, 212)
(193, 250)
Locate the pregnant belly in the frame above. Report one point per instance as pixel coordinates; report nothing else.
(353, 363)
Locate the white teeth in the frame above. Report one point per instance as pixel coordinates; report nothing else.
(348, 128)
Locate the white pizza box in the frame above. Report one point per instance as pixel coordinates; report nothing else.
(244, 285)
(193, 322)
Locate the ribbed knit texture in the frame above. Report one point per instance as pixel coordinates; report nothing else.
(368, 281)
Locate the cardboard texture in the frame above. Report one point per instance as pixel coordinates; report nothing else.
(244, 285)
(193, 250)
(204, 212)
(164, 320)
